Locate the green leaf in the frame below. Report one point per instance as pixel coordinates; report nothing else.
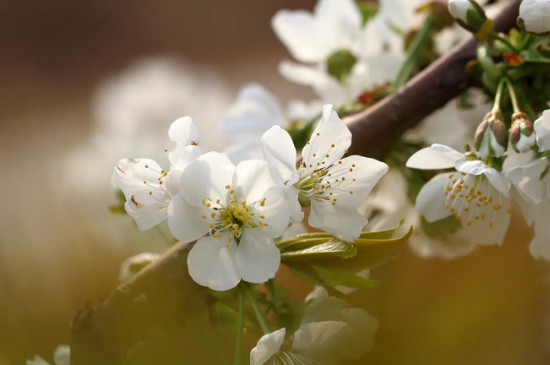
(385, 234)
(335, 277)
(331, 248)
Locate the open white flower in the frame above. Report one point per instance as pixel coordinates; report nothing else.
(147, 187)
(334, 186)
(476, 194)
(242, 207)
(334, 34)
(329, 333)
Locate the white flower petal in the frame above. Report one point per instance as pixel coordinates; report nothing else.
(436, 157)
(267, 346)
(62, 355)
(37, 360)
(542, 131)
(339, 22)
(329, 141)
(299, 32)
(207, 177)
(185, 221)
(471, 167)
(539, 247)
(252, 179)
(316, 336)
(257, 258)
(430, 201)
(280, 152)
(344, 222)
(185, 133)
(148, 208)
(527, 179)
(130, 174)
(211, 263)
(255, 111)
(497, 180)
(324, 85)
(535, 15)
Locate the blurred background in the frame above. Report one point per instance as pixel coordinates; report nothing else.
(61, 247)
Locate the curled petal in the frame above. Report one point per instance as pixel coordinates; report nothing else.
(430, 201)
(267, 346)
(436, 157)
(280, 152)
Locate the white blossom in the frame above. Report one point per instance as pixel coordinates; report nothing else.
(459, 9)
(534, 15)
(242, 207)
(62, 356)
(147, 187)
(476, 194)
(334, 186)
(329, 333)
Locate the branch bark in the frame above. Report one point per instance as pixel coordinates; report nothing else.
(105, 335)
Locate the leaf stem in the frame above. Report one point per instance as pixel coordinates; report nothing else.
(406, 69)
(239, 343)
(258, 312)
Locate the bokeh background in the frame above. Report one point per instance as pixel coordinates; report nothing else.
(61, 248)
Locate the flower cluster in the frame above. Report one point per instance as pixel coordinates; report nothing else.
(235, 212)
(480, 190)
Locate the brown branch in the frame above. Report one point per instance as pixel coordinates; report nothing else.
(105, 335)
(376, 128)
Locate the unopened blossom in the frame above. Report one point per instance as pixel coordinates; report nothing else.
(474, 193)
(334, 186)
(468, 14)
(147, 187)
(522, 134)
(242, 208)
(329, 333)
(491, 137)
(534, 15)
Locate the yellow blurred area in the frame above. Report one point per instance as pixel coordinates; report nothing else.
(56, 257)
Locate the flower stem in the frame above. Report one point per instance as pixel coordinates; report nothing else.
(239, 343)
(412, 53)
(504, 41)
(258, 312)
(498, 96)
(513, 96)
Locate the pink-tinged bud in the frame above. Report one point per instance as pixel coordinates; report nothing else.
(522, 133)
(491, 137)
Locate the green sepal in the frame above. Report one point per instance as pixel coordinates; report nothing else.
(368, 10)
(340, 64)
(332, 248)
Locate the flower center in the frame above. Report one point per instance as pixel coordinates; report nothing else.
(472, 198)
(326, 184)
(233, 216)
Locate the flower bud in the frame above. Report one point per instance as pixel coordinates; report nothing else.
(522, 133)
(133, 265)
(491, 136)
(471, 16)
(534, 15)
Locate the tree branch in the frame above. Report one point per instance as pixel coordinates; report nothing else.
(107, 334)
